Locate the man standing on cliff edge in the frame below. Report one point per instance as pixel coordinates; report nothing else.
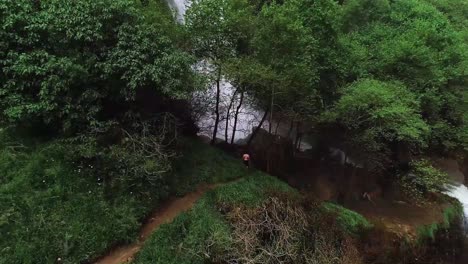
(246, 160)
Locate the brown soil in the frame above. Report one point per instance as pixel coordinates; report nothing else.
(164, 214)
(399, 217)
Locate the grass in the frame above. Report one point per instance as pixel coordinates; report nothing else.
(349, 220)
(203, 164)
(202, 234)
(251, 191)
(451, 214)
(203, 230)
(50, 208)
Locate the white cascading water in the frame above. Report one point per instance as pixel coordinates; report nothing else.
(457, 189)
(460, 192)
(179, 7)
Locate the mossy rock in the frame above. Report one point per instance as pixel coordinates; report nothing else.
(351, 221)
(451, 215)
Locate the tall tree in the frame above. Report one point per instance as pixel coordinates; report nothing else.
(413, 42)
(213, 27)
(64, 64)
(374, 116)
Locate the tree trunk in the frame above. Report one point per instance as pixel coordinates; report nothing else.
(236, 117)
(291, 128)
(255, 132)
(277, 126)
(271, 108)
(298, 135)
(218, 91)
(227, 115)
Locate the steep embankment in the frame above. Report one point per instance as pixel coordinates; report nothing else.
(165, 214)
(257, 219)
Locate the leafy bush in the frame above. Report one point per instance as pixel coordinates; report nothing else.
(135, 161)
(69, 63)
(422, 179)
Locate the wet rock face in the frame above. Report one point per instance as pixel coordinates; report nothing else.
(464, 169)
(271, 153)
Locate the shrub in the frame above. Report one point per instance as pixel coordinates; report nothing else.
(422, 179)
(257, 219)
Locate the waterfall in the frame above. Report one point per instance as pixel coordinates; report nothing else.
(249, 115)
(456, 189)
(179, 7)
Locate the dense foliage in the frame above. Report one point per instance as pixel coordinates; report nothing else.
(94, 97)
(304, 53)
(374, 115)
(423, 179)
(67, 64)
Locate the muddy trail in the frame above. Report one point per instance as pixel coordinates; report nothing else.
(164, 214)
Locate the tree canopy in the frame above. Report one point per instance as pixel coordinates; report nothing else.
(64, 62)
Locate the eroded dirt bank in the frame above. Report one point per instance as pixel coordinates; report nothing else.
(164, 214)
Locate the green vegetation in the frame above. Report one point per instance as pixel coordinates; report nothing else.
(423, 179)
(51, 209)
(451, 216)
(225, 224)
(351, 221)
(203, 232)
(95, 107)
(64, 64)
(373, 113)
(202, 164)
(54, 206)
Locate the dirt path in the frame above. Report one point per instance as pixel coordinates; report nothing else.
(164, 214)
